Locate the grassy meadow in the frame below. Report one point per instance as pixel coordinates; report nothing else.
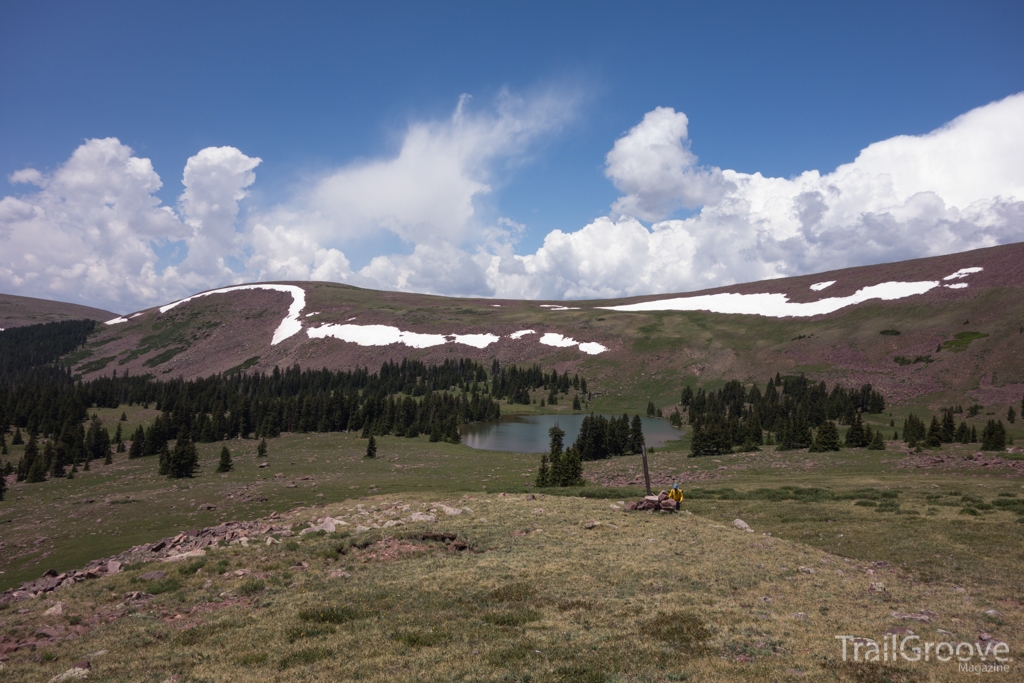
(563, 587)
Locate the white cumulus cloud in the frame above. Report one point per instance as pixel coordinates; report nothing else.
(91, 231)
(957, 188)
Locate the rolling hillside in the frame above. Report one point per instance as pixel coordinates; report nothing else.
(17, 311)
(959, 319)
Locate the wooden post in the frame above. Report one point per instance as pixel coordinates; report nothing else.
(647, 473)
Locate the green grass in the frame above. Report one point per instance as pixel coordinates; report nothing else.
(961, 341)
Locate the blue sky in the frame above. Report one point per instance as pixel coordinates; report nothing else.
(310, 88)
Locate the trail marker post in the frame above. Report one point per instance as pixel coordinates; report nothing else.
(647, 473)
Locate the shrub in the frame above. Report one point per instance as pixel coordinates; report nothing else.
(513, 592)
(330, 615)
(251, 587)
(163, 586)
(516, 617)
(682, 630)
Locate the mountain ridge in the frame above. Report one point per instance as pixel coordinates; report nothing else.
(652, 352)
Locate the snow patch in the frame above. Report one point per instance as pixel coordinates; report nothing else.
(376, 335)
(555, 339)
(779, 305)
(495, 305)
(963, 272)
(818, 286)
(136, 315)
(313, 313)
(521, 333)
(560, 341)
(288, 327)
(480, 341)
(116, 321)
(592, 348)
(959, 285)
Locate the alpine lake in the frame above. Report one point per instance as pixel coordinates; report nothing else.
(529, 433)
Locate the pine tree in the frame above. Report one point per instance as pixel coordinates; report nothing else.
(636, 435)
(371, 448)
(934, 438)
(17, 440)
(261, 450)
(124, 417)
(28, 458)
(948, 426)
(650, 409)
(225, 464)
(828, 437)
(914, 430)
(576, 403)
(3, 486)
(1011, 415)
(572, 468)
(184, 459)
(165, 461)
(856, 437)
(543, 473)
(138, 448)
(993, 437)
(35, 470)
(877, 443)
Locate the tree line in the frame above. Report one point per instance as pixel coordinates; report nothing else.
(787, 411)
(406, 398)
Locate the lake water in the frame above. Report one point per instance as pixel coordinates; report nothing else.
(529, 433)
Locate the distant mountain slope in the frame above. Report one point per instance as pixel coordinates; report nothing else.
(17, 311)
(950, 324)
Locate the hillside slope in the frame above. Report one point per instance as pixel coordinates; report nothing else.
(959, 319)
(17, 311)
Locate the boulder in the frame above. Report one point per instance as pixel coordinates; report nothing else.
(741, 525)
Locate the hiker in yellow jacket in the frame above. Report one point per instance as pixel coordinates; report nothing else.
(676, 493)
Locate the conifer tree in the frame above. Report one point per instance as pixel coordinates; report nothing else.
(3, 486)
(914, 430)
(993, 437)
(856, 437)
(225, 464)
(165, 461)
(184, 460)
(934, 438)
(3, 443)
(1011, 415)
(35, 465)
(261, 450)
(576, 403)
(636, 435)
(650, 409)
(17, 439)
(572, 468)
(877, 443)
(948, 426)
(543, 473)
(138, 448)
(28, 458)
(371, 448)
(827, 438)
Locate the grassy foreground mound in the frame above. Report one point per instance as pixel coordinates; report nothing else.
(500, 587)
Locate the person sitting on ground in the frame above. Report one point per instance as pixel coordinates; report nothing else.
(676, 493)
